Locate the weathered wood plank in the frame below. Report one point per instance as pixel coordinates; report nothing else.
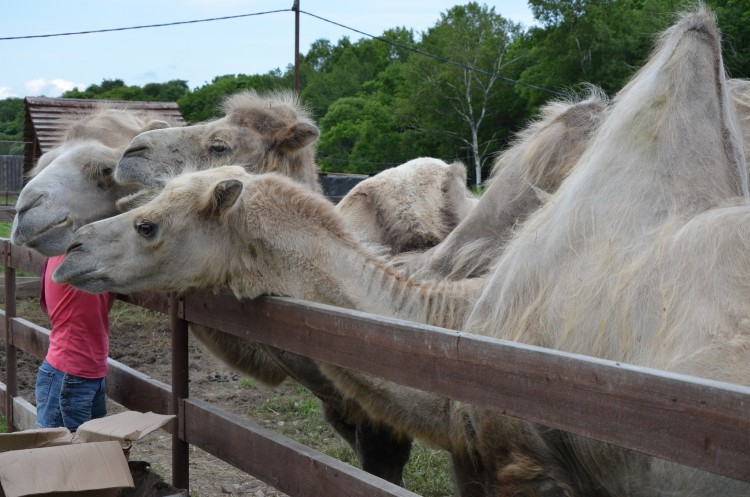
(689, 420)
(295, 469)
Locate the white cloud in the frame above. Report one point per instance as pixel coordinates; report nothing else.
(6, 92)
(50, 88)
(35, 86)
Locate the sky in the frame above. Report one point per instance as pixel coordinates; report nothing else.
(195, 52)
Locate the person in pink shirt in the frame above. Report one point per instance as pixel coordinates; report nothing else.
(70, 385)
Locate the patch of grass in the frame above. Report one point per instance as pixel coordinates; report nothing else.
(296, 414)
(3, 424)
(247, 382)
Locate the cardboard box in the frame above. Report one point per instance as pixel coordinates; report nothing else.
(91, 463)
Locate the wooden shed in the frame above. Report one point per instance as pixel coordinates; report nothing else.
(45, 117)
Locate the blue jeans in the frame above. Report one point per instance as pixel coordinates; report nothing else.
(66, 400)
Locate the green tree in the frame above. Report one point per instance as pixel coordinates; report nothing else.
(11, 119)
(329, 72)
(455, 103)
(599, 42)
(361, 134)
(204, 102)
(116, 89)
(734, 17)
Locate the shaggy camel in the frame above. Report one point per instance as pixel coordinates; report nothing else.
(72, 184)
(538, 160)
(379, 451)
(409, 207)
(638, 257)
(274, 133)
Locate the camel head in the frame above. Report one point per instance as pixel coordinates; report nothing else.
(73, 185)
(409, 207)
(265, 133)
(206, 229)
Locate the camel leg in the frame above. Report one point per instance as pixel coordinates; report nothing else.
(380, 450)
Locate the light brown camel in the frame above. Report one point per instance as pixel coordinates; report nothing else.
(72, 184)
(274, 133)
(277, 129)
(424, 182)
(638, 257)
(409, 207)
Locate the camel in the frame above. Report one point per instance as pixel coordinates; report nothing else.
(275, 133)
(411, 207)
(276, 128)
(637, 257)
(538, 160)
(72, 185)
(380, 199)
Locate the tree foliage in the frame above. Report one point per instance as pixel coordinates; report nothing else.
(116, 89)
(457, 100)
(11, 119)
(204, 102)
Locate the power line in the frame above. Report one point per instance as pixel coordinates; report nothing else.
(381, 39)
(108, 30)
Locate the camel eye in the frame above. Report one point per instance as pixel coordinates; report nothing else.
(219, 146)
(146, 229)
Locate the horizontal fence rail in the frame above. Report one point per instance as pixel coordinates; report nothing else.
(689, 420)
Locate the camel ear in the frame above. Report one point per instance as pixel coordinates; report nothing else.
(224, 195)
(155, 124)
(295, 137)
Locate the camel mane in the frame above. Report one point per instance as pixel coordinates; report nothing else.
(249, 104)
(547, 159)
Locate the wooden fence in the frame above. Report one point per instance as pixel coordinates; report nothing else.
(693, 421)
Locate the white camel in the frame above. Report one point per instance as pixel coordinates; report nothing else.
(72, 185)
(638, 257)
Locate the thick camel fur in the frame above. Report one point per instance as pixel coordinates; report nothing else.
(409, 207)
(72, 184)
(535, 164)
(639, 257)
(265, 133)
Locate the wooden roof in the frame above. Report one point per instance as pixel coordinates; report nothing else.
(45, 117)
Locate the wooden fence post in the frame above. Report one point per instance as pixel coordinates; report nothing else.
(180, 391)
(11, 357)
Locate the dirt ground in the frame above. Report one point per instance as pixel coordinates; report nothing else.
(142, 342)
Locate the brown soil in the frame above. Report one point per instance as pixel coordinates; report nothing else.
(144, 344)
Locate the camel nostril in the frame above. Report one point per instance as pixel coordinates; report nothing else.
(135, 151)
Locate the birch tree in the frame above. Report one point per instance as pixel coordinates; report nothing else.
(456, 93)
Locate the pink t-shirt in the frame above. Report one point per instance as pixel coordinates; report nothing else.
(79, 342)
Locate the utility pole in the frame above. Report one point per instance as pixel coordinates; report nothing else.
(295, 8)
